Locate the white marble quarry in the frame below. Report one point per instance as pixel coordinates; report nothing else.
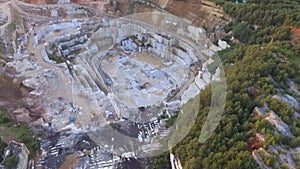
(112, 71)
(63, 1)
(50, 29)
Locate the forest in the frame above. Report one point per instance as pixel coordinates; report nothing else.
(265, 56)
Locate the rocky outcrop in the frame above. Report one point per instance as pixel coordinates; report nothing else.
(22, 115)
(272, 117)
(257, 155)
(288, 99)
(283, 157)
(175, 162)
(280, 155)
(19, 150)
(281, 126)
(223, 44)
(261, 111)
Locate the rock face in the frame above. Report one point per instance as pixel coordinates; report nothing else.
(175, 162)
(260, 111)
(284, 155)
(288, 99)
(223, 44)
(253, 91)
(281, 126)
(63, 1)
(19, 150)
(272, 117)
(56, 147)
(22, 115)
(258, 158)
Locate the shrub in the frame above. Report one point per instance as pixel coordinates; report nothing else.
(11, 162)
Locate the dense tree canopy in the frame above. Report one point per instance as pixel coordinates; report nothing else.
(264, 58)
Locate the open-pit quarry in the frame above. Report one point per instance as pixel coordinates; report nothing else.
(112, 78)
(132, 68)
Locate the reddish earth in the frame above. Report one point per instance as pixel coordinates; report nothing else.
(254, 143)
(41, 2)
(141, 9)
(295, 31)
(10, 90)
(295, 35)
(70, 162)
(12, 97)
(202, 13)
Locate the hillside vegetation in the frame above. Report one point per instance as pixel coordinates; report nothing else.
(263, 57)
(21, 133)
